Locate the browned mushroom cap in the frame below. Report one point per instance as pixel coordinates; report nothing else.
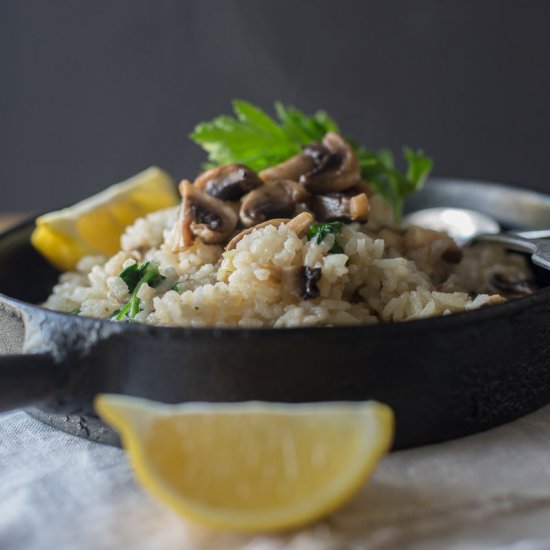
(275, 222)
(323, 167)
(302, 281)
(340, 207)
(274, 200)
(229, 182)
(298, 224)
(202, 216)
(290, 169)
(336, 166)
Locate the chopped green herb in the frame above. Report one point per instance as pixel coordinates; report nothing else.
(115, 314)
(176, 286)
(318, 231)
(134, 277)
(132, 274)
(254, 138)
(337, 248)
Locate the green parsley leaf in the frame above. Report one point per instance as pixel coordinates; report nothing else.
(177, 287)
(379, 170)
(254, 138)
(318, 231)
(337, 248)
(301, 128)
(257, 140)
(419, 167)
(134, 277)
(132, 274)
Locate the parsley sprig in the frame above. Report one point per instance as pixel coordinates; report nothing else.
(134, 276)
(254, 138)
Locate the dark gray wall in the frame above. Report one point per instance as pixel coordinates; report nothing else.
(93, 91)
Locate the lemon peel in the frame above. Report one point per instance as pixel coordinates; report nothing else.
(251, 466)
(94, 225)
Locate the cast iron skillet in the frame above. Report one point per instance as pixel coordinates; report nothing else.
(444, 377)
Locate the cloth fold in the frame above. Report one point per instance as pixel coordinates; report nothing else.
(486, 491)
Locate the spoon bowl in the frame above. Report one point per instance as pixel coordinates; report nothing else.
(462, 224)
(466, 226)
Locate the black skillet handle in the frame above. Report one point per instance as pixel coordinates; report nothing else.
(26, 379)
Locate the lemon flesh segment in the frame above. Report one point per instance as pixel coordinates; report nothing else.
(94, 225)
(251, 466)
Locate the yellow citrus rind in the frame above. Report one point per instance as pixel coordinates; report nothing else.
(251, 467)
(94, 225)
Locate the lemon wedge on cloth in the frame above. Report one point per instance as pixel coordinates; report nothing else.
(94, 225)
(251, 466)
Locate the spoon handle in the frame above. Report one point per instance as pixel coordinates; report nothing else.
(534, 234)
(539, 249)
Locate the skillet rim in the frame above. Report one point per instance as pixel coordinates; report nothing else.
(442, 321)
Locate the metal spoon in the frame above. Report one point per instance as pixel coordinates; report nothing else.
(466, 226)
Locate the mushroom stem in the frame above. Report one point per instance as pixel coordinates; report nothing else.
(182, 236)
(359, 208)
(300, 223)
(340, 207)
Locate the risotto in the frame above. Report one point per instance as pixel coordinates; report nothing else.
(300, 244)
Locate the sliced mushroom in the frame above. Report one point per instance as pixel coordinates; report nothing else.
(302, 281)
(427, 242)
(275, 222)
(340, 207)
(299, 224)
(336, 166)
(202, 216)
(509, 288)
(392, 236)
(274, 200)
(229, 182)
(324, 167)
(359, 208)
(453, 253)
(290, 169)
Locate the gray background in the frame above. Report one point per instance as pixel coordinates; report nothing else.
(93, 91)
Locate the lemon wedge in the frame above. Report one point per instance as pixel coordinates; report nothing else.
(251, 466)
(94, 225)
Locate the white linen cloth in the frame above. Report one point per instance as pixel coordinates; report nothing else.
(486, 491)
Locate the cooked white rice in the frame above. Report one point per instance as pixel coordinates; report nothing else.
(379, 277)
